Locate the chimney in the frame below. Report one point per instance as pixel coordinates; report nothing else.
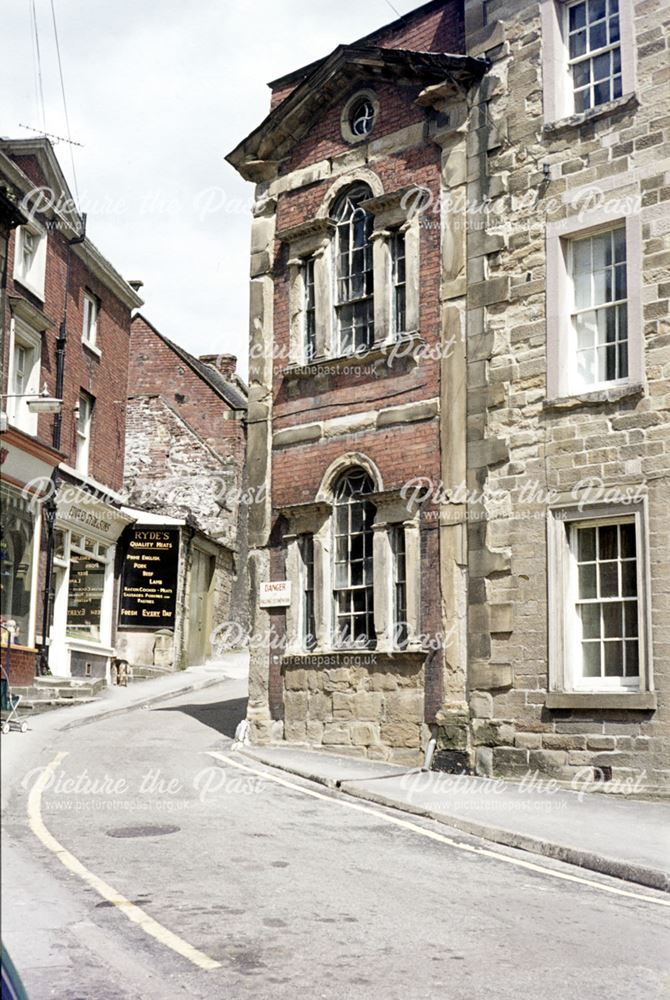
(225, 364)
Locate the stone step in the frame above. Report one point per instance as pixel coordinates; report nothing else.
(33, 706)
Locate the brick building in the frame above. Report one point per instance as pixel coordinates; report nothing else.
(458, 392)
(184, 469)
(65, 330)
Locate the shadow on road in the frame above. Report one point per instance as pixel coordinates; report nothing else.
(222, 716)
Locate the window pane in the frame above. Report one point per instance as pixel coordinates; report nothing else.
(591, 659)
(582, 100)
(620, 291)
(597, 9)
(608, 546)
(590, 614)
(582, 73)
(627, 541)
(614, 30)
(577, 44)
(630, 617)
(587, 581)
(609, 579)
(586, 330)
(602, 93)
(577, 16)
(597, 36)
(601, 66)
(613, 620)
(613, 659)
(586, 544)
(629, 578)
(632, 659)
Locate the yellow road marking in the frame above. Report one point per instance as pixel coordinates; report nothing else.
(133, 912)
(442, 838)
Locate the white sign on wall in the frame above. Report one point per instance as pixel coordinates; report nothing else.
(275, 594)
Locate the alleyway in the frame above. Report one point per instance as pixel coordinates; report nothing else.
(250, 888)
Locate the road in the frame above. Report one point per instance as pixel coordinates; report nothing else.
(140, 867)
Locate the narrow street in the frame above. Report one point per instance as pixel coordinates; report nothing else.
(226, 884)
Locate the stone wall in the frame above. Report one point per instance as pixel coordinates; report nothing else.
(530, 173)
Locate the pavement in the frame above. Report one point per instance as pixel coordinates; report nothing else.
(17, 748)
(617, 836)
(144, 858)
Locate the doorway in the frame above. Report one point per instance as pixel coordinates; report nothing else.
(200, 606)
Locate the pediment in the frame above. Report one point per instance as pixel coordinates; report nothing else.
(257, 157)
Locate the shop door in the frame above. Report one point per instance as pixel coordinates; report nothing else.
(200, 611)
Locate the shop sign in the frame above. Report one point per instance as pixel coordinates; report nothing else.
(149, 578)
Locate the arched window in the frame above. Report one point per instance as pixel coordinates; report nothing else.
(354, 514)
(353, 268)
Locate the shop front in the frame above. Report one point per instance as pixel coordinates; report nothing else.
(25, 483)
(82, 633)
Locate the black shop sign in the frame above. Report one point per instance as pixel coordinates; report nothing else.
(149, 578)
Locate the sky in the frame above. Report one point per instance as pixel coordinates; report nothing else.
(157, 93)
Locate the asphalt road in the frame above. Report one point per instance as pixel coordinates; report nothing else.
(153, 870)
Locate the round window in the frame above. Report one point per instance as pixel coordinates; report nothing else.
(362, 117)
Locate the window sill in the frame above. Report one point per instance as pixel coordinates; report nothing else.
(91, 347)
(390, 350)
(637, 701)
(625, 103)
(36, 290)
(596, 397)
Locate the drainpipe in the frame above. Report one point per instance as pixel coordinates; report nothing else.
(61, 340)
(49, 511)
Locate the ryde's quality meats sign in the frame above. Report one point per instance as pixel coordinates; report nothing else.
(149, 578)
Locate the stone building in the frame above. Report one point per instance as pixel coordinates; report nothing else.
(459, 392)
(65, 335)
(184, 469)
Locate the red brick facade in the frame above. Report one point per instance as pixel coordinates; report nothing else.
(52, 317)
(385, 704)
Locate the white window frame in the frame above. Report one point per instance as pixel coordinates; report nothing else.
(574, 311)
(89, 332)
(558, 89)
(564, 653)
(32, 274)
(18, 414)
(84, 415)
(562, 379)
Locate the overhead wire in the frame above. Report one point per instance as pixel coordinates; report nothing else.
(67, 117)
(38, 64)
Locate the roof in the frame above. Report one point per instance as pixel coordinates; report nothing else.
(231, 394)
(62, 208)
(257, 156)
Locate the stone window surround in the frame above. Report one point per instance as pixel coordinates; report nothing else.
(562, 692)
(557, 86)
(345, 123)
(315, 518)
(34, 278)
(560, 365)
(314, 238)
(23, 334)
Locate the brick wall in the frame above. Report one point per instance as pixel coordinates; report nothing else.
(105, 377)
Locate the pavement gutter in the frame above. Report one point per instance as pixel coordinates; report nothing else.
(652, 878)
